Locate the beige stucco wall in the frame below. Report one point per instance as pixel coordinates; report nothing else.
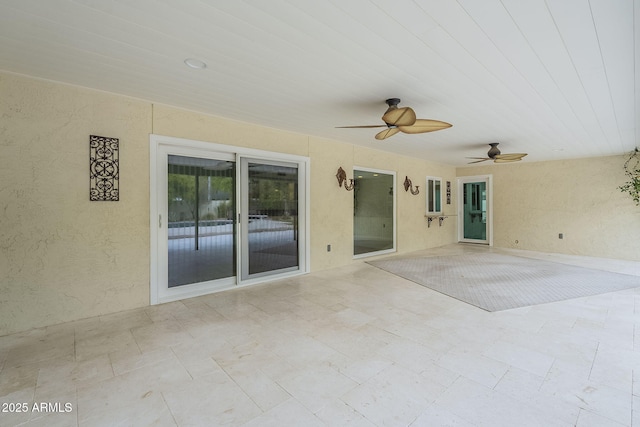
(535, 201)
(64, 258)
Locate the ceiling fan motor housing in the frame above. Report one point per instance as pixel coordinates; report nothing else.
(393, 105)
(393, 102)
(493, 151)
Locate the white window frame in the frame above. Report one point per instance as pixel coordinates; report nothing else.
(427, 198)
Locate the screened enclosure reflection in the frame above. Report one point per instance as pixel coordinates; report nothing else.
(373, 212)
(273, 217)
(201, 226)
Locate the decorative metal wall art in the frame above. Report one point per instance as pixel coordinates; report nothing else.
(342, 177)
(409, 185)
(448, 192)
(104, 168)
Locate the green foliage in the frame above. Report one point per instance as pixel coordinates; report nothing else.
(182, 192)
(633, 172)
(633, 188)
(182, 195)
(224, 210)
(275, 197)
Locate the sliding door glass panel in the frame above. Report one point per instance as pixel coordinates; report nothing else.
(475, 210)
(271, 217)
(201, 225)
(373, 212)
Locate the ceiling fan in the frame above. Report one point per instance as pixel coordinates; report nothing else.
(495, 155)
(402, 120)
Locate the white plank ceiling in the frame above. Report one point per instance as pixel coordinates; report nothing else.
(553, 78)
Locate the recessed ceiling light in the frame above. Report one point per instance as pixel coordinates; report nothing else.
(195, 63)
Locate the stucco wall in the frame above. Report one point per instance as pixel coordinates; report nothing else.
(64, 258)
(535, 201)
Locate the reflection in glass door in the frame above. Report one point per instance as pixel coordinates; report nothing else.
(270, 220)
(373, 212)
(475, 218)
(200, 220)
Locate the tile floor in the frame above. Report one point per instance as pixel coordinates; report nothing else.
(349, 346)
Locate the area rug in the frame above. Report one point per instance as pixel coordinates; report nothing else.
(497, 282)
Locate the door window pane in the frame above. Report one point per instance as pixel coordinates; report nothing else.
(373, 212)
(272, 217)
(201, 225)
(475, 210)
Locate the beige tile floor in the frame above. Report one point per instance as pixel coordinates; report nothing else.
(349, 346)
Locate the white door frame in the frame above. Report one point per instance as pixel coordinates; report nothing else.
(159, 148)
(488, 179)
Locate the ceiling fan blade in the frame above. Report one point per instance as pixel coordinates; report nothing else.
(424, 125)
(507, 160)
(361, 127)
(399, 116)
(387, 133)
(479, 161)
(510, 156)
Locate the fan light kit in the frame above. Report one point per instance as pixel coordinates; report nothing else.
(402, 120)
(495, 155)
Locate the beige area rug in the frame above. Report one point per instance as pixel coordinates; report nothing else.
(497, 282)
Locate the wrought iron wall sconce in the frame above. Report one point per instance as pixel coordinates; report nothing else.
(342, 177)
(409, 185)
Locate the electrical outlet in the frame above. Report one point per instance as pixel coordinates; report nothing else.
(328, 248)
(560, 236)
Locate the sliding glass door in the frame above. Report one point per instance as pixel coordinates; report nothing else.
(270, 217)
(221, 219)
(200, 220)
